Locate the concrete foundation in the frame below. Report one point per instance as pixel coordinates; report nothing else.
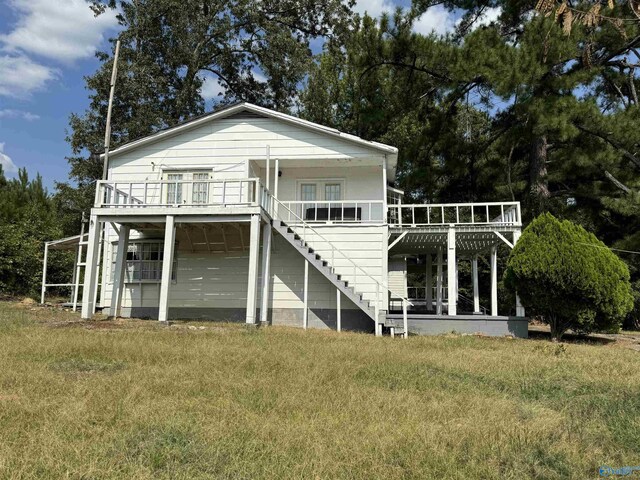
(425, 324)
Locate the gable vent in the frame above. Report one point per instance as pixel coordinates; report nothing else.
(245, 115)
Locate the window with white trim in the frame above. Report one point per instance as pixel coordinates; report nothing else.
(144, 262)
(182, 191)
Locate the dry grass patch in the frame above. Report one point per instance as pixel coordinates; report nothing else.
(135, 400)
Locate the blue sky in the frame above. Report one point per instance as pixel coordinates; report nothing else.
(46, 48)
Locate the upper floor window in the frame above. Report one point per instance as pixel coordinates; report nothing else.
(332, 191)
(321, 190)
(187, 187)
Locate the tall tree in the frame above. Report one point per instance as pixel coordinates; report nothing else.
(256, 51)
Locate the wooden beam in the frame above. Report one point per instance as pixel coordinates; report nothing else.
(439, 282)
(266, 272)
(338, 310)
(451, 272)
(519, 307)
(429, 281)
(167, 264)
(494, 280)
(186, 231)
(305, 294)
(206, 237)
(252, 285)
(44, 271)
(476, 287)
(504, 239)
(400, 237)
(119, 274)
(91, 268)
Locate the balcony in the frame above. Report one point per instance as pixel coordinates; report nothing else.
(160, 195)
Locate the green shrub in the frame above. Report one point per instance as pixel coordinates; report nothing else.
(569, 278)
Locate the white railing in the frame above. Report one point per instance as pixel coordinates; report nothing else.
(306, 231)
(419, 294)
(177, 193)
(505, 213)
(335, 211)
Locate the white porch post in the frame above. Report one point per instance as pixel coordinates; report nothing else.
(429, 281)
(493, 263)
(305, 294)
(384, 190)
(338, 310)
(519, 308)
(275, 178)
(439, 282)
(167, 264)
(451, 271)
(266, 272)
(474, 279)
(121, 264)
(44, 271)
(268, 168)
(91, 268)
(252, 286)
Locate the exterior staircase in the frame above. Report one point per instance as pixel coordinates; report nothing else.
(327, 270)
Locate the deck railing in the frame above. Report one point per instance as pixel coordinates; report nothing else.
(335, 211)
(177, 193)
(505, 213)
(249, 191)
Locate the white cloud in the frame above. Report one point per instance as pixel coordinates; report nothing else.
(436, 19)
(21, 76)
(441, 21)
(10, 113)
(374, 8)
(64, 30)
(6, 162)
(489, 16)
(211, 89)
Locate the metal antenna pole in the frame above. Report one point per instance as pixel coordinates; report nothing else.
(107, 133)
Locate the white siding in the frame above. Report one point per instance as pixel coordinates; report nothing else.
(220, 280)
(227, 144)
(398, 276)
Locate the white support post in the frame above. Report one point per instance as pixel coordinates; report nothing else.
(305, 294)
(275, 178)
(439, 279)
(519, 308)
(457, 282)
(252, 286)
(268, 168)
(429, 281)
(91, 268)
(338, 310)
(121, 266)
(44, 271)
(493, 263)
(266, 273)
(476, 289)
(167, 264)
(384, 190)
(405, 320)
(378, 326)
(451, 271)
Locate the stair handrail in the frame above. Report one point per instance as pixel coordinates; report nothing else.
(333, 247)
(470, 302)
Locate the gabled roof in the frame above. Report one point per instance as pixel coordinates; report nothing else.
(257, 111)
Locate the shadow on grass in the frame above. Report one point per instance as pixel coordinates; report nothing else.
(571, 338)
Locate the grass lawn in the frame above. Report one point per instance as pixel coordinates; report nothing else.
(131, 399)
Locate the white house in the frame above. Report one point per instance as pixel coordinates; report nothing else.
(247, 214)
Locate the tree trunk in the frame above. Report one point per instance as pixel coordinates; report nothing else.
(538, 183)
(557, 328)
